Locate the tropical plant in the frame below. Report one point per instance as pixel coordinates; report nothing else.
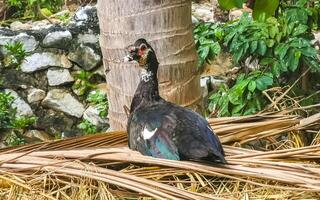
(87, 127)
(83, 83)
(261, 7)
(244, 98)
(278, 43)
(35, 8)
(282, 46)
(8, 114)
(100, 101)
(16, 54)
(13, 139)
(207, 37)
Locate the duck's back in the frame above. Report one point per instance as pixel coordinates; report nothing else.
(165, 130)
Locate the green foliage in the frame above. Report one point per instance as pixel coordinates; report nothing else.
(16, 54)
(8, 115)
(6, 112)
(229, 4)
(23, 122)
(82, 84)
(100, 101)
(14, 139)
(30, 7)
(263, 7)
(207, 37)
(244, 98)
(65, 17)
(303, 11)
(87, 127)
(282, 46)
(279, 44)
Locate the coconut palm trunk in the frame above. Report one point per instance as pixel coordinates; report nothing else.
(167, 25)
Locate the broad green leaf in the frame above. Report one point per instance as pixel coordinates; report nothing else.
(266, 61)
(263, 82)
(263, 7)
(236, 109)
(252, 86)
(253, 46)
(237, 55)
(293, 60)
(270, 43)
(281, 50)
(262, 48)
(229, 4)
(300, 29)
(273, 31)
(309, 51)
(204, 52)
(276, 69)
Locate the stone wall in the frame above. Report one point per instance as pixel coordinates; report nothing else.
(42, 87)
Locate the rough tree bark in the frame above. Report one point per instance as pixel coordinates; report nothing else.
(167, 25)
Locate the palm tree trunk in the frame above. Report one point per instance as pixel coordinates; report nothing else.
(167, 25)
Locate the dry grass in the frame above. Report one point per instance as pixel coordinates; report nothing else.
(102, 167)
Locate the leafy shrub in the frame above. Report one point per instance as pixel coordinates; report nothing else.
(207, 37)
(16, 54)
(87, 127)
(100, 101)
(82, 84)
(244, 98)
(8, 115)
(14, 139)
(34, 7)
(281, 45)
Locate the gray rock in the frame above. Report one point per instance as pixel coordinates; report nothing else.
(235, 14)
(81, 14)
(36, 134)
(54, 122)
(88, 38)
(17, 26)
(194, 20)
(39, 61)
(23, 109)
(216, 82)
(59, 77)
(202, 11)
(57, 39)
(85, 57)
(85, 20)
(92, 115)
(204, 82)
(41, 25)
(65, 62)
(36, 95)
(63, 101)
(29, 42)
(100, 71)
(316, 41)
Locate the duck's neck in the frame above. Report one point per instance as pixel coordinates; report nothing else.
(148, 90)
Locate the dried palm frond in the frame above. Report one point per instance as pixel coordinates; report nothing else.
(82, 168)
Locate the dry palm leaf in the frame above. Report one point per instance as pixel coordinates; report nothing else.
(108, 165)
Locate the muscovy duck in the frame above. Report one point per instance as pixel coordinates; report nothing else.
(162, 129)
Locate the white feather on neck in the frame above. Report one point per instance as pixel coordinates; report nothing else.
(145, 75)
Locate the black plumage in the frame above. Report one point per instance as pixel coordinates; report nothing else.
(162, 129)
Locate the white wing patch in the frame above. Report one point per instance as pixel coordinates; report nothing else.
(148, 134)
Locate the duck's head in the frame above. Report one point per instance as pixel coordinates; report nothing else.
(143, 53)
